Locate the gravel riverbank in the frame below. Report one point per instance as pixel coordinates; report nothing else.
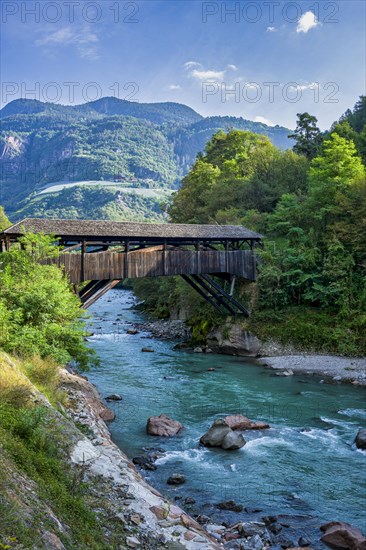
(279, 357)
(329, 367)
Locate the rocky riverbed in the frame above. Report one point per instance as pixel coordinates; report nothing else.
(282, 358)
(167, 329)
(150, 520)
(263, 482)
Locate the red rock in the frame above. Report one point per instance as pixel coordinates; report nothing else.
(107, 415)
(190, 523)
(232, 536)
(189, 535)
(163, 426)
(341, 535)
(160, 513)
(240, 422)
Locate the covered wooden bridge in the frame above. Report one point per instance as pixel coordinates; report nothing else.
(106, 252)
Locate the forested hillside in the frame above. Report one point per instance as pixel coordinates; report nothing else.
(108, 139)
(310, 203)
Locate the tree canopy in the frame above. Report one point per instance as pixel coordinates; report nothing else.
(307, 136)
(39, 312)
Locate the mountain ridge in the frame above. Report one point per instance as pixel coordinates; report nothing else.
(148, 144)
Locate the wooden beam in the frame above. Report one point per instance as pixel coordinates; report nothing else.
(217, 297)
(82, 259)
(201, 293)
(228, 297)
(108, 285)
(87, 288)
(70, 248)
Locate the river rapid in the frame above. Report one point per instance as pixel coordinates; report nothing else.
(304, 465)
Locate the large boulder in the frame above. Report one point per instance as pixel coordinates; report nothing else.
(176, 479)
(240, 422)
(361, 439)
(215, 435)
(232, 441)
(341, 535)
(234, 340)
(162, 425)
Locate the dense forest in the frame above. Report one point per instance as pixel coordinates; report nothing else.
(310, 203)
(108, 139)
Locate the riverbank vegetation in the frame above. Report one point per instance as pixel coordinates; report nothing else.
(41, 328)
(310, 203)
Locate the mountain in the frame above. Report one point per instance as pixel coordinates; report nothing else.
(158, 113)
(135, 144)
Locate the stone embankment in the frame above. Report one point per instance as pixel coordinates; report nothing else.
(149, 519)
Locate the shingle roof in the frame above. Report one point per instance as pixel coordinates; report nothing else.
(103, 229)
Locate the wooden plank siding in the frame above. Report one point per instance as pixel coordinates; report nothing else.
(155, 263)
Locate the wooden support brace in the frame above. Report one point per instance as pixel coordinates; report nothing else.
(108, 285)
(226, 295)
(219, 299)
(201, 293)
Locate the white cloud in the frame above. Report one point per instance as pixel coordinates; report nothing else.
(208, 75)
(271, 29)
(310, 86)
(264, 120)
(307, 21)
(191, 64)
(83, 39)
(173, 87)
(232, 67)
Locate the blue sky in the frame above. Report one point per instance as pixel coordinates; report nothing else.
(263, 61)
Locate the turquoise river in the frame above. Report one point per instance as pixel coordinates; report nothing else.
(305, 465)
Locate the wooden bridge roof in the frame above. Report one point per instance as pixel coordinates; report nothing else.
(104, 230)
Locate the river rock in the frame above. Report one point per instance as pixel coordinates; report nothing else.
(107, 415)
(254, 543)
(176, 479)
(230, 505)
(202, 519)
(303, 542)
(114, 397)
(215, 435)
(232, 441)
(144, 462)
(251, 528)
(132, 331)
(361, 439)
(240, 422)
(341, 535)
(147, 350)
(234, 340)
(162, 425)
(132, 542)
